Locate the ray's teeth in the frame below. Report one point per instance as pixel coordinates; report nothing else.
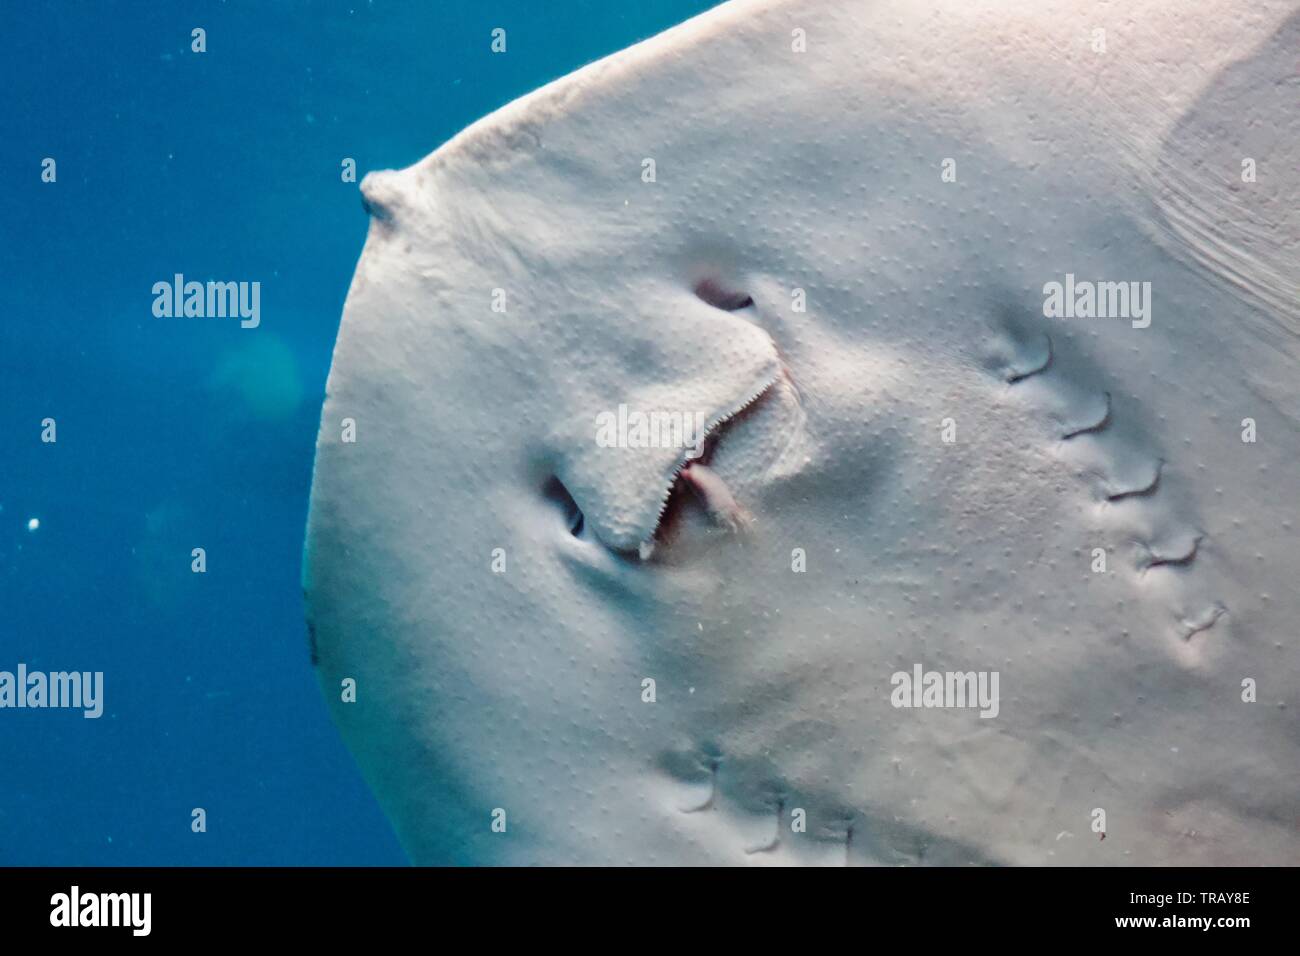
(717, 498)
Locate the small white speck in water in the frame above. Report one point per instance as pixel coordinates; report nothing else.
(33, 524)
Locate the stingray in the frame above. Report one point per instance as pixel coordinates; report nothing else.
(837, 232)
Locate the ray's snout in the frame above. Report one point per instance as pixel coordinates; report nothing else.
(381, 194)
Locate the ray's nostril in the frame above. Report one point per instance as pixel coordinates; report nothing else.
(559, 496)
(722, 297)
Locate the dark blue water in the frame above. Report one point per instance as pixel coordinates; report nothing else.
(183, 433)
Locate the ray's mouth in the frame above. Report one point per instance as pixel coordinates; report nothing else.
(698, 496)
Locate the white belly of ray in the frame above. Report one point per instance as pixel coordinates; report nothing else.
(831, 228)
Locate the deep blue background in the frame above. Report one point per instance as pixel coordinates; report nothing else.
(183, 433)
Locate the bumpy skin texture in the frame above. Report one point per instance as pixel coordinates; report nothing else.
(823, 171)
